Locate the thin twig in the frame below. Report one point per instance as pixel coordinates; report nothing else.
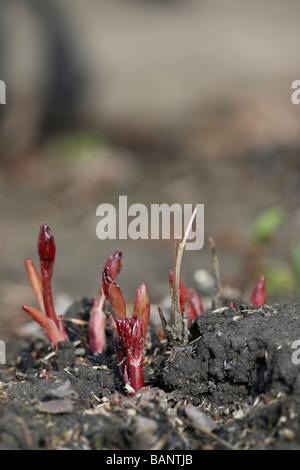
(175, 292)
(180, 249)
(217, 296)
(210, 434)
(195, 340)
(76, 321)
(177, 331)
(23, 425)
(162, 318)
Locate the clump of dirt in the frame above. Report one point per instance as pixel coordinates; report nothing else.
(236, 386)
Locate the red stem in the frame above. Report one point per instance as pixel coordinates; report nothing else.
(120, 350)
(62, 330)
(47, 295)
(97, 325)
(52, 331)
(136, 372)
(46, 250)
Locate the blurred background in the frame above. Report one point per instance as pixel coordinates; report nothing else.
(163, 101)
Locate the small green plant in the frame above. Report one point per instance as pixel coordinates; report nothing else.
(267, 223)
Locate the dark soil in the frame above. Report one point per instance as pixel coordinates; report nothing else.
(234, 387)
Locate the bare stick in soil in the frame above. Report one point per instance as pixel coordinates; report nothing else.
(210, 434)
(21, 422)
(177, 331)
(217, 295)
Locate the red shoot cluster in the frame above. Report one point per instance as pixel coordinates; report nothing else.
(258, 296)
(129, 333)
(41, 285)
(194, 301)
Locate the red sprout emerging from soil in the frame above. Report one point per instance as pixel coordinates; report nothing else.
(259, 293)
(194, 302)
(41, 285)
(97, 315)
(129, 333)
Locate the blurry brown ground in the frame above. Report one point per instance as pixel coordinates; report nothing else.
(191, 102)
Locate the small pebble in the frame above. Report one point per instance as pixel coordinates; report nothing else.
(80, 352)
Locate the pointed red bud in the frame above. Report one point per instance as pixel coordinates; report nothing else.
(142, 306)
(46, 250)
(113, 263)
(194, 302)
(259, 293)
(113, 293)
(141, 299)
(97, 315)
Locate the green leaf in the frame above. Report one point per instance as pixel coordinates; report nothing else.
(279, 276)
(77, 146)
(267, 223)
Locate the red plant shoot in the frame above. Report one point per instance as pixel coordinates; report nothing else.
(46, 250)
(41, 285)
(142, 307)
(258, 296)
(45, 322)
(113, 263)
(97, 315)
(129, 333)
(120, 350)
(36, 282)
(97, 325)
(113, 293)
(194, 301)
